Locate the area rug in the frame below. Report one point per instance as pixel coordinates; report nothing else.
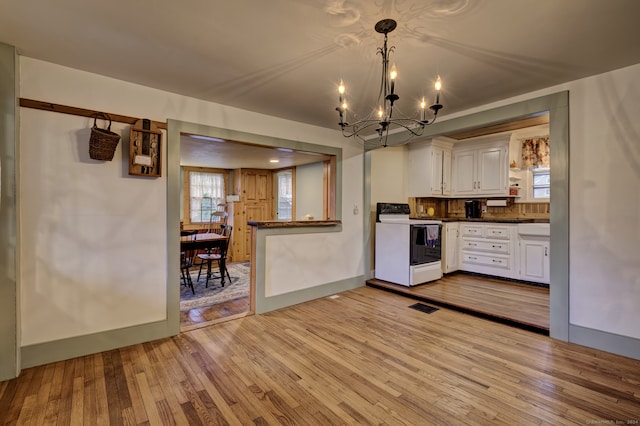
(215, 293)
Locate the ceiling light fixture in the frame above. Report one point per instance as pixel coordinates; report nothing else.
(207, 138)
(383, 116)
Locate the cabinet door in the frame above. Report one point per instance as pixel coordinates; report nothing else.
(446, 172)
(464, 172)
(450, 263)
(257, 186)
(436, 171)
(534, 260)
(492, 171)
(420, 183)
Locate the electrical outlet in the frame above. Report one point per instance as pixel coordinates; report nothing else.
(355, 209)
(484, 209)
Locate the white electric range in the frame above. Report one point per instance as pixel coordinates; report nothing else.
(407, 251)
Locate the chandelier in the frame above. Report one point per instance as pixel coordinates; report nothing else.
(383, 118)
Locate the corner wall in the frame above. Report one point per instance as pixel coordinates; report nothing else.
(97, 244)
(9, 220)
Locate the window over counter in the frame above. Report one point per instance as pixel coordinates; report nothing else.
(204, 189)
(541, 186)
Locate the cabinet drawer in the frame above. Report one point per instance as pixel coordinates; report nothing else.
(469, 230)
(489, 246)
(486, 260)
(498, 232)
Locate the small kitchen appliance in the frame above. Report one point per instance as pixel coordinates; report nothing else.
(472, 209)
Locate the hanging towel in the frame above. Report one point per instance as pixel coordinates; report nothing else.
(432, 232)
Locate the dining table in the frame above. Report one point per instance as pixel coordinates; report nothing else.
(207, 241)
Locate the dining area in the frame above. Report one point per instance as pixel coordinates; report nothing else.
(214, 286)
(205, 252)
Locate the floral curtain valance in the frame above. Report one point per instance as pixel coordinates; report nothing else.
(535, 152)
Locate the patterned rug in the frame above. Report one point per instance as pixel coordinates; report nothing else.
(215, 293)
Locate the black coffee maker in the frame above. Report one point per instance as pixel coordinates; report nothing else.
(472, 209)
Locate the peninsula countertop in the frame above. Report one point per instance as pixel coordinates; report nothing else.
(293, 224)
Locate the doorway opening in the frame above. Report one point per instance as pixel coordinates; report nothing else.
(244, 183)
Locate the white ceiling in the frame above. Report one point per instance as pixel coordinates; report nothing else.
(201, 151)
(285, 57)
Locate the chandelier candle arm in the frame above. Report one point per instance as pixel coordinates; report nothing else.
(386, 98)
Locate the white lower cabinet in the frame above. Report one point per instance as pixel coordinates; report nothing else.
(534, 245)
(504, 250)
(450, 232)
(488, 248)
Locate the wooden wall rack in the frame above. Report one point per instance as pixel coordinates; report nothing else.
(64, 109)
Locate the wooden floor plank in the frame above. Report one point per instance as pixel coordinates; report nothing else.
(363, 357)
(509, 301)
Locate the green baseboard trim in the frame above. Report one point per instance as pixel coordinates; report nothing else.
(608, 342)
(73, 347)
(266, 304)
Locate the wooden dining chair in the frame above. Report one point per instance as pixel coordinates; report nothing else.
(186, 261)
(219, 256)
(217, 220)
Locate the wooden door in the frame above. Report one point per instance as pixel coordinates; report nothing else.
(255, 188)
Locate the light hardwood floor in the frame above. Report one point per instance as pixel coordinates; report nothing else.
(215, 313)
(361, 358)
(523, 305)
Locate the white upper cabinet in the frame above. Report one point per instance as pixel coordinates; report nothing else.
(430, 168)
(481, 169)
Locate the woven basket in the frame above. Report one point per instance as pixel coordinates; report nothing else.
(103, 142)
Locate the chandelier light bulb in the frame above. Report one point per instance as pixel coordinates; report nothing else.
(438, 84)
(392, 75)
(380, 112)
(341, 88)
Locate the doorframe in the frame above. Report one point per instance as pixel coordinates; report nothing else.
(9, 215)
(557, 105)
(174, 130)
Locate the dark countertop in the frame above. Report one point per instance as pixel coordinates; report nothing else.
(293, 224)
(486, 220)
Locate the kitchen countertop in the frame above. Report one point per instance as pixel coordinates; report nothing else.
(293, 224)
(487, 220)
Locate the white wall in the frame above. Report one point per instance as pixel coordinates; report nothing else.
(93, 243)
(605, 202)
(604, 217)
(295, 262)
(309, 190)
(93, 238)
(389, 177)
